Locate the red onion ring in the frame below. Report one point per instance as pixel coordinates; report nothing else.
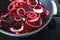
(34, 25)
(22, 10)
(29, 2)
(16, 18)
(18, 30)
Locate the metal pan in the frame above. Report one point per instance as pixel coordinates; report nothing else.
(48, 4)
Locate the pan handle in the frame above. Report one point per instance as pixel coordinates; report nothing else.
(54, 7)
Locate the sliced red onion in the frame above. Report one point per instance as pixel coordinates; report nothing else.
(47, 12)
(34, 20)
(18, 30)
(34, 25)
(18, 10)
(38, 10)
(16, 18)
(13, 5)
(29, 2)
(30, 14)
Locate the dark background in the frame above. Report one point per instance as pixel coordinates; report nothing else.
(51, 32)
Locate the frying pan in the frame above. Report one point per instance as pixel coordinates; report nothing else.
(48, 4)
